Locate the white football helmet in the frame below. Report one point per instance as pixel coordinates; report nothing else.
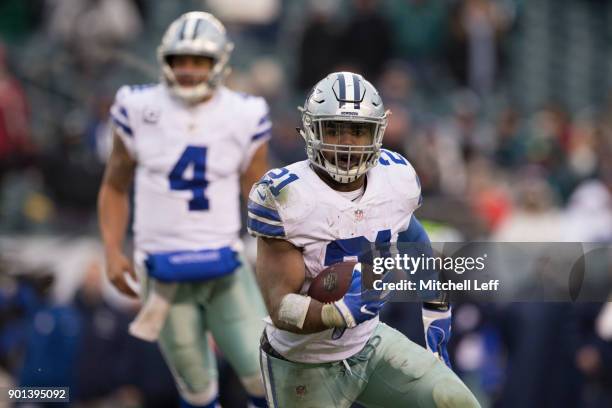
(343, 100)
(195, 33)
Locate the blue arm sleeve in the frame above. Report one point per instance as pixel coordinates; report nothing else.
(414, 233)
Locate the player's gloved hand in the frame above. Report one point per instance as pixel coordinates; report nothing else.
(437, 325)
(356, 306)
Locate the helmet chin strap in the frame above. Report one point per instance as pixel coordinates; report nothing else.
(190, 94)
(353, 174)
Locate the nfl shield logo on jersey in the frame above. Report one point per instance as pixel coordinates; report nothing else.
(151, 115)
(358, 215)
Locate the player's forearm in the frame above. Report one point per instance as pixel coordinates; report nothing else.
(113, 215)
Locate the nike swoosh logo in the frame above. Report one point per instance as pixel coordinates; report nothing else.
(262, 196)
(365, 310)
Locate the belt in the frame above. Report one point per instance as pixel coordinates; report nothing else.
(363, 355)
(266, 347)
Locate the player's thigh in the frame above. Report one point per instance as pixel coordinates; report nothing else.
(234, 313)
(404, 374)
(289, 384)
(184, 342)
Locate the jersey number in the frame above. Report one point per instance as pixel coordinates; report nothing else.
(194, 156)
(280, 179)
(356, 249)
(394, 157)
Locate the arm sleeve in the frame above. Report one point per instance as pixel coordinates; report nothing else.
(415, 242)
(259, 132)
(121, 120)
(414, 233)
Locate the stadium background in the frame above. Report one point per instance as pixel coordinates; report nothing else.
(502, 106)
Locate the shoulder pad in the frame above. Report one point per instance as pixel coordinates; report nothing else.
(401, 175)
(282, 200)
(260, 114)
(255, 116)
(263, 218)
(120, 113)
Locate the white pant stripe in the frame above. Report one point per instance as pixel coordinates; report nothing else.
(267, 379)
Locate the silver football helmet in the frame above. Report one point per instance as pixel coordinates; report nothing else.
(195, 33)
(340, 103)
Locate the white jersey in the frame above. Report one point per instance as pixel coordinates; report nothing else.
(189, 162)
(294, 204)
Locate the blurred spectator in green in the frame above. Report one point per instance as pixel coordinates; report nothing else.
(420, 27)
(18, 19)
(510, 149)
(420, 31)
(547, 145)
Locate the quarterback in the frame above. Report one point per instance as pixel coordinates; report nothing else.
(318, 212)
(191, 145)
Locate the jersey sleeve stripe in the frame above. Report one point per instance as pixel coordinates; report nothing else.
(123, 112)
(262, 228)
(262, 211)
(262, 134)
(264, 220)
(264, 119)
(125, 128)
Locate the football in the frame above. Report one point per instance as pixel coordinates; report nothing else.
(332, 283)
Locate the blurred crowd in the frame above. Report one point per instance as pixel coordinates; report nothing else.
(497, 160)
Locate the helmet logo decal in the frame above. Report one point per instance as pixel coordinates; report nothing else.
(357, 93)
(349, 81)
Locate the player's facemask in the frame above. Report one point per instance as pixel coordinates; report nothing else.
(343, 122)
(345, 150)
(189, 83)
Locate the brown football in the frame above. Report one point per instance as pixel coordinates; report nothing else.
(332, 283)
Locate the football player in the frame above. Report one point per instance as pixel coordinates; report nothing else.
(192, 145)
(321, 211)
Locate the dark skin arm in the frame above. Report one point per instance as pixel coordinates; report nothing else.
(113, 214)
(256, 169)
(280, 271)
